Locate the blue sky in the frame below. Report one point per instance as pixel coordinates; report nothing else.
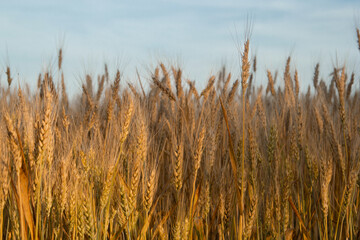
(200, 36)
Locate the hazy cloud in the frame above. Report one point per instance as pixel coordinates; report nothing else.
(199, 33)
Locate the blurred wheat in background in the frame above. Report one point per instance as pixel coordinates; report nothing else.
(231, 161)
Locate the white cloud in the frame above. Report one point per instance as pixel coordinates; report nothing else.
(199, 32)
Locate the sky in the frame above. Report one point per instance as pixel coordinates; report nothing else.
(198, 36)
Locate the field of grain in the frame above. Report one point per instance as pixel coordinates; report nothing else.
(169, 161)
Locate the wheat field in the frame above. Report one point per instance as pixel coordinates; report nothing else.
(169, 161)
